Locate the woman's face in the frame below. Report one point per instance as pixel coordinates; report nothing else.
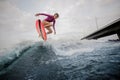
(55, 16)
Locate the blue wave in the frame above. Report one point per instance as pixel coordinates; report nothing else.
(13, 54)
(71, 60)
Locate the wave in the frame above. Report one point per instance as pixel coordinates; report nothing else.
(69, 57)
(12, 54)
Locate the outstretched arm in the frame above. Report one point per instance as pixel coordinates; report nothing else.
(54, 27)
(42, 14)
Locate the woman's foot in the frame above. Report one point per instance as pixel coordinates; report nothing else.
(39, 35)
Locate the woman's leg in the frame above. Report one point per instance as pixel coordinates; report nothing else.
(47, 25)
(49, 30)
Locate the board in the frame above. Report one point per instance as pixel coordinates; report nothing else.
(40, 29)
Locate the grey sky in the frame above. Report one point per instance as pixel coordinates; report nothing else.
(17, 20)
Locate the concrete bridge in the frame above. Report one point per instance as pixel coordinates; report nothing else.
(110, 29)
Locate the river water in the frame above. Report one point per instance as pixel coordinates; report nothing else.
(67, 60)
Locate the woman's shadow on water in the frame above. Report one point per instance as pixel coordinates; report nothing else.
(38, 63)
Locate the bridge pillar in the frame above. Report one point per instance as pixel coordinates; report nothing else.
(118, 33)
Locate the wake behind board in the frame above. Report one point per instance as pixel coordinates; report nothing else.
(41, 30)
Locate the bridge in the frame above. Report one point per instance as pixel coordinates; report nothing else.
(109, 29)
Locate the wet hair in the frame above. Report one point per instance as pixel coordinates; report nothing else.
(56, 14)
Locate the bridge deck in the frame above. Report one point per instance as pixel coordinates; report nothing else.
(112, 28)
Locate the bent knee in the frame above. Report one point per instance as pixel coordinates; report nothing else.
(50, 31)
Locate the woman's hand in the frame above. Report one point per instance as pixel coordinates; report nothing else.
(54, 33)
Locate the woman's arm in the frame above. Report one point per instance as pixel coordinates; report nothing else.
(54, 27)
(42, 14)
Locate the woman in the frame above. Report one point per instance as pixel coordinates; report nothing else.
(49, 21)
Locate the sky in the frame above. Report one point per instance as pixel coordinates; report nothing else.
(17, 20)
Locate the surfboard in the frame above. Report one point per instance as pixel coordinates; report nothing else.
(40, 29)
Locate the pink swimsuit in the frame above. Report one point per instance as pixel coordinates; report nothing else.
(49, 18)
